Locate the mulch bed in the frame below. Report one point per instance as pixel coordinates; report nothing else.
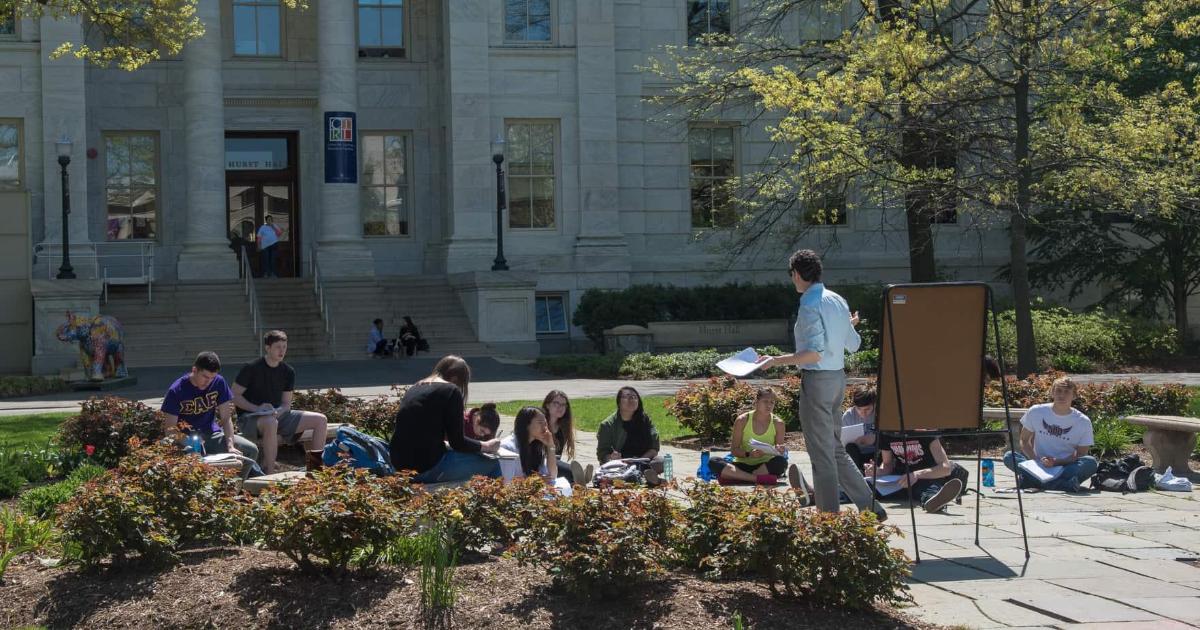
(244, 587)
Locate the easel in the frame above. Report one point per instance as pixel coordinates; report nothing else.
(939, 345)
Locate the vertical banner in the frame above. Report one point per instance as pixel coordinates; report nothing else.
(341, 148)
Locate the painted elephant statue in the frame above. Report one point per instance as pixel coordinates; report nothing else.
(101, 344)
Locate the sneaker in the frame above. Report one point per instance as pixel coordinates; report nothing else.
(588, 472)
(799, 485)
(577, 473)
(766, 480)
(945, 495)
(1071, 486)
(880, 513)
(652, 478)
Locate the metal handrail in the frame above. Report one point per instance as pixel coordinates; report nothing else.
(52, 252)
(323, 306)
(251, 293)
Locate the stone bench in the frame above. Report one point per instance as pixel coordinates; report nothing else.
(306, 438)
(1014, 422)
(1170, 440)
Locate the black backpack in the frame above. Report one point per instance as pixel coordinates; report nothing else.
(1128, 474)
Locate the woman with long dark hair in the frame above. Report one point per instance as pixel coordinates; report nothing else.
(430, 415)
(629, 434)
(557, 409)
(532, 440)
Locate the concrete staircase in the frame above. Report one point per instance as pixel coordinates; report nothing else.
(182, 321)
(429, 300)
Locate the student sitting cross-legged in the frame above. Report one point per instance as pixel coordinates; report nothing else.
(1056, 434)
(921, 461)
(557, 409)
(861, 411)
(198, 398)
(750, 463)
(532, 440)
(629, 434)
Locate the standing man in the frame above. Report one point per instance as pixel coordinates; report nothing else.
(268, 236)
(198, 398)
(262, 392)
(824, 333)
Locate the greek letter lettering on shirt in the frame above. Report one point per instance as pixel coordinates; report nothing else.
(909, 453)
(1054, 430)
(199, 405)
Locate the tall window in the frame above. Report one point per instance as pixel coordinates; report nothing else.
(711, 155)
(551, 313)
(530, 159)
(527, 20)
(386, 193)
(381, 28)
(131, 185)
(11, 171)
(706, 16)
(256, 26)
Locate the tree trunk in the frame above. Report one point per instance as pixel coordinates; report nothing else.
(1183, 333)
(1019, 264)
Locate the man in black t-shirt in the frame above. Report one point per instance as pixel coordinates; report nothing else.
(924, 468)
(262, 393)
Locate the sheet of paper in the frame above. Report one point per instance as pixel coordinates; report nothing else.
(220, 457)
(763, 446)
(1031, 467)
(887, 484)
(563, 487)
(852, 432)
(740, 364)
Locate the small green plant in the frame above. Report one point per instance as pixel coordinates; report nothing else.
(738, 622)
(439, 557)
(43, 502)
(11, 481)
(21, 534)
(1111, 436)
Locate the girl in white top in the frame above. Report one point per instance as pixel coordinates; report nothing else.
(532, 440)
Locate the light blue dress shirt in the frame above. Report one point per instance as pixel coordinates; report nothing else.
(823, 325)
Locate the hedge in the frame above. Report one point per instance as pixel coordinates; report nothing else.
(18, 386)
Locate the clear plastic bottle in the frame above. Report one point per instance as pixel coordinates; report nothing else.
(668, 467)
(195, 444)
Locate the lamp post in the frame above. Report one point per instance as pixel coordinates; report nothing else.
(498, 157)
(63, 144)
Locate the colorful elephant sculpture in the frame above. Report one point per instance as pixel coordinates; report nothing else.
(101, 344)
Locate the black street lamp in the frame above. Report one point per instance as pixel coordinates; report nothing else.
(65, 271)
(498, 157)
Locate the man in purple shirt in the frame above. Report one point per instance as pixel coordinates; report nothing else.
(198, 398)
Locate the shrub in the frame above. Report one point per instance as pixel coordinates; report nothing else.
(37, 464)
(582, 365)
(157, 499)
(1097, 400)
(1072, 363)
(863, 362)
(1094, 336)
(43, 502)
(376, 416)
(108, 424)
(17, 386)
(645, 365)
(338, 514)
(1111, 436)
(709, 408)
(21, 534)
(598, 543)
(838, 559)
(11, 481)
(487, 512)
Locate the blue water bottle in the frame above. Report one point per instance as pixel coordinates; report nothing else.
(668, 467)
(703, 472)
(195, 444)
(989, 473)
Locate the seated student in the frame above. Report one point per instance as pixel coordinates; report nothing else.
(262, 392)
(629, 433)
(922, 461)
(1056, 434)
(410, 337)
(557, 409)
(430, 415)
(861, 411)
(481, 423)
(377, 344)
(532, 440)
(195, 398)
(750, 464)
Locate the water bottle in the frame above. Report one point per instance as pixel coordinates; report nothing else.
(668, 467)
(194, 444)
(989, 476)
(703, 472)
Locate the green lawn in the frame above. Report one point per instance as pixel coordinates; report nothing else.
(589, 412)
(32, 430)
(1194, 409)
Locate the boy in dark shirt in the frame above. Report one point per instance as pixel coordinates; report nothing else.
(262, 393)
(922, 461)
(197, 399)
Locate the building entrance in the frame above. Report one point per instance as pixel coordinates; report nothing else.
(261, 182)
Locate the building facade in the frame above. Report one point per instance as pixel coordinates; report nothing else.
(192, 153)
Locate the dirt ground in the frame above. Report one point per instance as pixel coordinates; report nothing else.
(244, 587)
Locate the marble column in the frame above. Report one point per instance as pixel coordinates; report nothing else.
(206, 254)
(341, 251)
(64, 112)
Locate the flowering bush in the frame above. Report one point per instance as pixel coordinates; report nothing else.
(1095, 399)
(157, 499)
(337, 515)
(598, 543)
(710, 408)
(488, 512)
(107, 424)
(376, 416)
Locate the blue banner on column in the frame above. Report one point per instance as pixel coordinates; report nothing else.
(341, 148)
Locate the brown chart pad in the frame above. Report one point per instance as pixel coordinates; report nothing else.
(940, 331)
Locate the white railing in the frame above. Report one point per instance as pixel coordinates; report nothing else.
(314, 271)
(81, 259)
(251, 294)
(119, 263)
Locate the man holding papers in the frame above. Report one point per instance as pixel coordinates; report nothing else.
(824, 333)
(1055, 439)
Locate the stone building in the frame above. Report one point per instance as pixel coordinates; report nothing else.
(186, 155)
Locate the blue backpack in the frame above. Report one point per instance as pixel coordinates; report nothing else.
(361, 451)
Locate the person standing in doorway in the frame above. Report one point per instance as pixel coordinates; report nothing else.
(268, 237)
(824, 333)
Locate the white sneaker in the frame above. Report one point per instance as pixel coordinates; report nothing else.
(799, 485)
(577, 473)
